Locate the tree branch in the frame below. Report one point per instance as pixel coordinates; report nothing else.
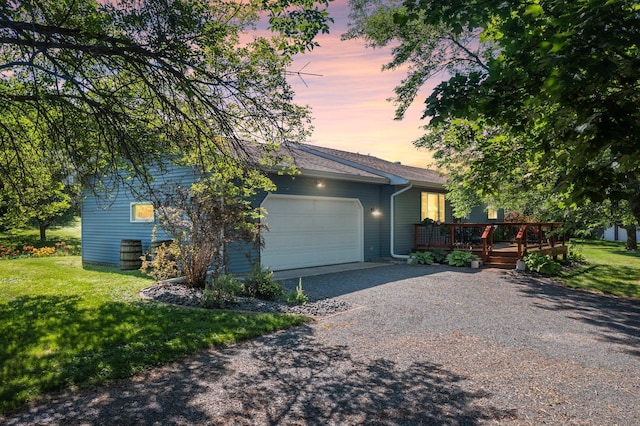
(475, 58)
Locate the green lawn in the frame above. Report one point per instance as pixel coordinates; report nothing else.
(31, 237)
(611, 269)
(63, 326)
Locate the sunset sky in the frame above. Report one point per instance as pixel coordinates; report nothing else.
(349, 106)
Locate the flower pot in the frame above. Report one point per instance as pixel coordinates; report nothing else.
(475, 264)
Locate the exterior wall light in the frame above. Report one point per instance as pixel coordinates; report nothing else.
(375, 212)
(320, 184)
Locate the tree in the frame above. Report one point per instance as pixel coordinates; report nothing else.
(204, 217)
(535, 94)
(124, 84)
(50, 202)
(121, 89)
(45, 193)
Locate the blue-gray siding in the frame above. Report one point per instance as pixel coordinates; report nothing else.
(105, 223)
(408, 212)
(106, 220)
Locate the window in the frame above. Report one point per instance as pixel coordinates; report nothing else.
(142, 212)
(432, 206)
(492, 213)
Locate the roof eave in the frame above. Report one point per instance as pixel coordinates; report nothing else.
(431, 185)
(342, 176)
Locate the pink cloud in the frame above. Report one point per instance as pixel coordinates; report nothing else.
(349, 102)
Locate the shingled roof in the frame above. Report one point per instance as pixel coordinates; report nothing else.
(311, 164)
(395, 172)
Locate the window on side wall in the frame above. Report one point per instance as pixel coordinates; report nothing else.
(432, 206)
(142, 212)
(492, 213)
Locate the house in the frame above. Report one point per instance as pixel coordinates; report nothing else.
(344, 207)
(617, 233)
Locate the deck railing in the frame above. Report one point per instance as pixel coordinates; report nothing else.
(487, 242)
(544, 237)
(485, 237)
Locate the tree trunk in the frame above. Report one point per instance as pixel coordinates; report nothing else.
(632, 242)
(43, 230)
(634, 203)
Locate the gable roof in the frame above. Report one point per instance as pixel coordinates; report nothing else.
(397, 174)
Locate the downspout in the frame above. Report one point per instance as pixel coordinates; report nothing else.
(393, 223)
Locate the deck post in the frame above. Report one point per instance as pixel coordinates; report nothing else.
(487, 243)
(522, 235)
(540, 236)
(452, 236)
(552, 243)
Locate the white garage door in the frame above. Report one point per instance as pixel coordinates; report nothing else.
(311, 231)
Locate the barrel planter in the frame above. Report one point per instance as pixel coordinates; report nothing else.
(130, 254)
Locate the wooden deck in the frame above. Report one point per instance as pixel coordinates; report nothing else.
(499, 245)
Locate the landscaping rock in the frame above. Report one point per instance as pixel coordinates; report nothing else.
(179, 294)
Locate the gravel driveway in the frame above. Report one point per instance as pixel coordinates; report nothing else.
(423, 345)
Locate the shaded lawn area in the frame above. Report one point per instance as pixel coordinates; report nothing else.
(63, 326)
(611, 269)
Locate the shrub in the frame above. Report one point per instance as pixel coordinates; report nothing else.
(43, 252)
(297, 296)
(259, 283)
(206, 216)
(460, 258)
(574, 255)
(428, 257)
(422, 258)
(162, 265)
(63, 249)
(542, 264)
(60, 248)
(8, 253)
(221, 291)
(439, 256)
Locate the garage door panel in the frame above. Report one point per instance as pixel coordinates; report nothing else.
(305, 231)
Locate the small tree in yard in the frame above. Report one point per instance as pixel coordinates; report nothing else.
(206, 216)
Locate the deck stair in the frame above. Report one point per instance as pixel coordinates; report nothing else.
(502, 260)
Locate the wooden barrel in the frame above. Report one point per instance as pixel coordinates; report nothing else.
(130, 254)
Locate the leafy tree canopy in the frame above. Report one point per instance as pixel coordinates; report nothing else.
(93, 88)
(120, 84)
(537, 96)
